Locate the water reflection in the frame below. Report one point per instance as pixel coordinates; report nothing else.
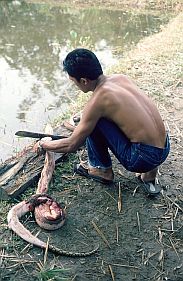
(34, 39)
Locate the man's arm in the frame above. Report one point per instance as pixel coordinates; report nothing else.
(91, 114)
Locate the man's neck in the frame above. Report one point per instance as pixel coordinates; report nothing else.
(100, 80)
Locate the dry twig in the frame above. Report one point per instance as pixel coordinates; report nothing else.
(111, 272)
(101, 234)
(117, 233)
(174, 203)
(135, 190)
(138, 221)
(81, 232)
(160, 235)
(110, 195)
(173, 246)
(119, 199)
(125, 265)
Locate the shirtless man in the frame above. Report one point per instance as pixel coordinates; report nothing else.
(119, 117)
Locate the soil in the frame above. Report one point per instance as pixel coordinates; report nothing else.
(143, 241)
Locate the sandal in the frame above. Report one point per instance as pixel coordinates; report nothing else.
(150, 187)
(80, 170)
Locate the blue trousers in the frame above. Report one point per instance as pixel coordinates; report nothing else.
(135, 157)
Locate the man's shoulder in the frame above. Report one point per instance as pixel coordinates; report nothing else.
(116, 76)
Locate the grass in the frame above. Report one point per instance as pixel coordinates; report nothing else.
(47, 273)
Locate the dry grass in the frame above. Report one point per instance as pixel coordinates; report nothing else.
(156, 60)
(175, 5)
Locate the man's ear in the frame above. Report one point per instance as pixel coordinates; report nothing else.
(84, 81)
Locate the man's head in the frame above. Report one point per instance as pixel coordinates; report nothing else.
(82, 67)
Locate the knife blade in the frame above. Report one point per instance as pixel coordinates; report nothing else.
(27, 134)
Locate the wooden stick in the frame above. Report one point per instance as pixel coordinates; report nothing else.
(176, 213)
(161, 272)
(1, 256)
(125, 265)
(14, 258)
(119, 199)
(160, 234)
(110, 196)
(161, 258)
(172, 224)
(135, 190)
(138, 221)
(117, 233)
(101, 234)
(173, 246)
(174, 203)
(81, 233)
(46, 252)
(112, 273)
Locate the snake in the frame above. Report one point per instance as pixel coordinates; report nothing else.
(29, 205)
(48, 213)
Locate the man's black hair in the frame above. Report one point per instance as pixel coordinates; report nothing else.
(82, 63)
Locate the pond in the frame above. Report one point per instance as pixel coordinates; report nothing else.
(34, 39)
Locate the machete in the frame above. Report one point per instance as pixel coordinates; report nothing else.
(27, 134)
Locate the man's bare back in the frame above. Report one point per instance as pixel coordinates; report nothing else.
(121, 101)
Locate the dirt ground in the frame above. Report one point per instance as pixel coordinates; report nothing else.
(142, 242)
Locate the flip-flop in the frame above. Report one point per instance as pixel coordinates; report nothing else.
(150, 187)
(80, 170)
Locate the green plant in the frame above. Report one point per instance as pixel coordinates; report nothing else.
(47, 273)
(76, 41)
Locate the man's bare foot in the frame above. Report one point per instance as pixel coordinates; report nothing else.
(138, 175)
(103, 173)
(105, 176)
(69, 126)
(73, 121)
(149, 176)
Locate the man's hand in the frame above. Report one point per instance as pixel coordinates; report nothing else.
(38, 147)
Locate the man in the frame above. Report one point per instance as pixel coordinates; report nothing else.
(119, 117)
